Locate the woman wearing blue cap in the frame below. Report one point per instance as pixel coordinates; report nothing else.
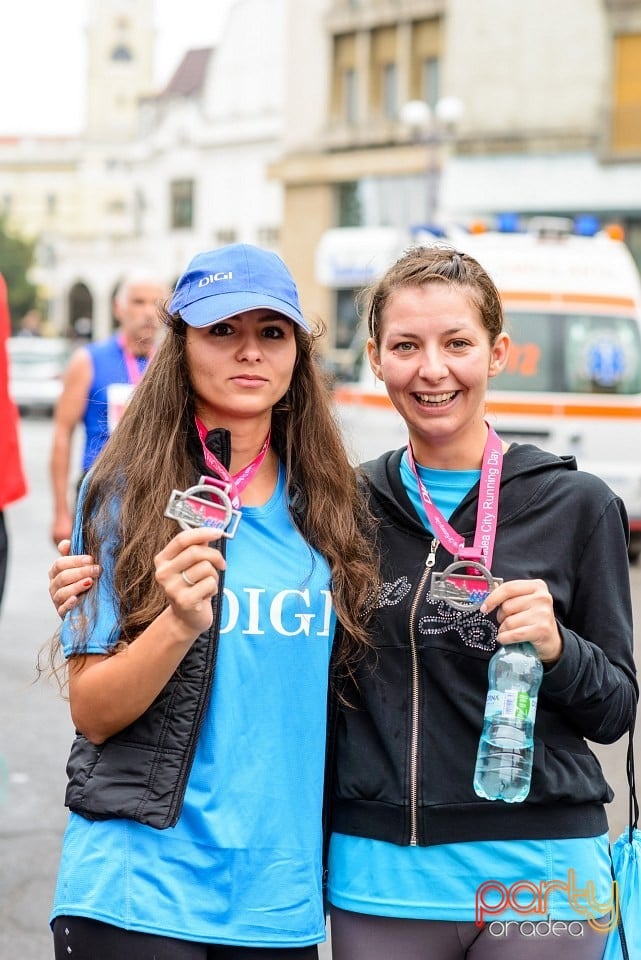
(197, 670)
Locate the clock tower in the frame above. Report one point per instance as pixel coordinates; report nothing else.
(120, 49)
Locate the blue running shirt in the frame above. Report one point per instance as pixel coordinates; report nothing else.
(108, 367)
(243, 864)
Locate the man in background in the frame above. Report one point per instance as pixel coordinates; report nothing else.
(12, 480)
(30, 325)
(98, 383)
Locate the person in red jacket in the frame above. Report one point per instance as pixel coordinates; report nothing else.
(12, 479)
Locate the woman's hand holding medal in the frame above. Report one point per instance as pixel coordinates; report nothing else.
(525, 612)
(188, 571)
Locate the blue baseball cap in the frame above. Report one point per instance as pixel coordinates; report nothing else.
(221, 283)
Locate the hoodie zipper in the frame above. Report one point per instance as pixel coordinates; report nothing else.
(414, 734)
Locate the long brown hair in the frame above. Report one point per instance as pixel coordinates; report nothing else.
(147, 457)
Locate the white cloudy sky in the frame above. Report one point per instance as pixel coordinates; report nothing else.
(43, 61)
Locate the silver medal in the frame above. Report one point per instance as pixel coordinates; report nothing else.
(206, 504)
(463, 585)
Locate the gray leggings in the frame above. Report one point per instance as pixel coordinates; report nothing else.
(79, 938)
(356, 936)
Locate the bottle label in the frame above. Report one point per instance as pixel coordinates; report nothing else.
(511, 704)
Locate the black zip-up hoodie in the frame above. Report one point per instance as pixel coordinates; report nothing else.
(141, 773)
(406, 743)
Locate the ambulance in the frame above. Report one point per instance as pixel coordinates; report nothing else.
(572, 384)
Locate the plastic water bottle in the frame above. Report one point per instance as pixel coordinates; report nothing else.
(506, 748)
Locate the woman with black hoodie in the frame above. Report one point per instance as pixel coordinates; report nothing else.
(420, 867)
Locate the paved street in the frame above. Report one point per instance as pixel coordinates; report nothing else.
(35, 730)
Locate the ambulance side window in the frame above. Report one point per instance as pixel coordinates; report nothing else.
(572, 353)
(603, 355)
(532, 362)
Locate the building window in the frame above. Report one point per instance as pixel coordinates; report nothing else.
(80, 310)
(430, 80)
(349, 205)
(182, 204)
(427, 46)
(392, 201)
(116, 207)
(390, 91)
(626, 105)
(225, 235)
(268, 236)
(121, 53)
(350, 110)
(343, 78)
(382, 79)
(139, 207)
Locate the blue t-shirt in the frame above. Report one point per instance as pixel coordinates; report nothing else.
(243, 864)
(445, 881)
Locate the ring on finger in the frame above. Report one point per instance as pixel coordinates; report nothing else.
(190, 583)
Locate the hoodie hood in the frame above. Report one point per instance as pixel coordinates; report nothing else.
(527, 474)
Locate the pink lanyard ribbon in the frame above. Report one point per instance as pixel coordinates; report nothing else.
(238, 481)
(134, 373)
(487, 511)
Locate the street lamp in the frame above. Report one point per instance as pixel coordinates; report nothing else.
(434, 127)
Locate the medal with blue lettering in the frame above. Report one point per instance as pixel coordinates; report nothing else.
(466, 582)
(463, 585)
(207, 504)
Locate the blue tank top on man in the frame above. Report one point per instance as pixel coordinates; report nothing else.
(108, 363)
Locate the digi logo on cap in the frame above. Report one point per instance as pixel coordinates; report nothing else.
(213, 277)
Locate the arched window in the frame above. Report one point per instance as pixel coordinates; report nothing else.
(121, 52)
(81, 310)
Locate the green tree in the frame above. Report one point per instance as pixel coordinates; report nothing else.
(16, 257)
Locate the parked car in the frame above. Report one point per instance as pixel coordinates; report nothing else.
(36, 368)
